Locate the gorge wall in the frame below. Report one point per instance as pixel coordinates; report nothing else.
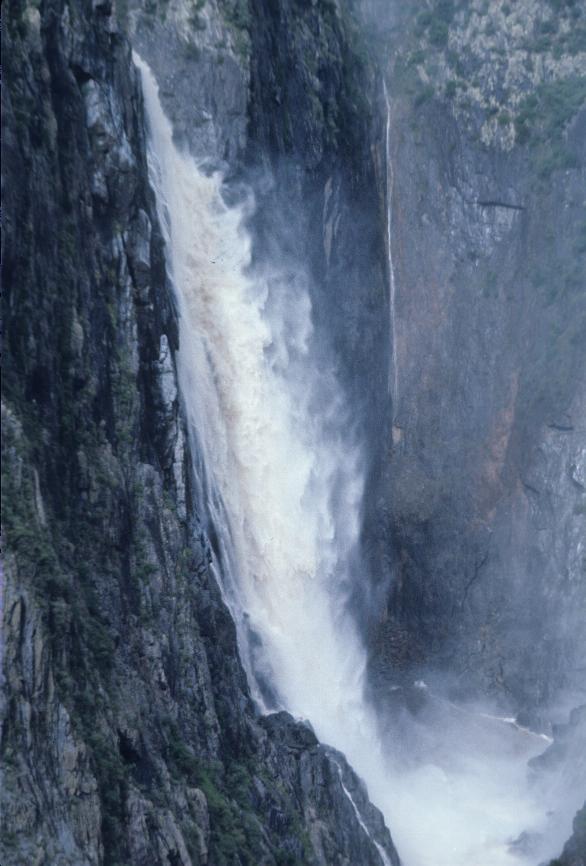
(477, 507)
(128, 733)
(484, 491)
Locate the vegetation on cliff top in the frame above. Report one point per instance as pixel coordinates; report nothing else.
(512, 72)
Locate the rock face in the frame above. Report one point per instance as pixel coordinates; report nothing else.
(574, 853)
(480, 493)
(316, 131)
(566, 759)
(476, 514)
(128, 732)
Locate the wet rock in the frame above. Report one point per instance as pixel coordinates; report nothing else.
(574, 853)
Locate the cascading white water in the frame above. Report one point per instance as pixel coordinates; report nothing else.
(283, 492)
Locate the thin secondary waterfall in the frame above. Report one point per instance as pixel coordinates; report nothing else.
(383, 855)
(282, 485)
(394, 371)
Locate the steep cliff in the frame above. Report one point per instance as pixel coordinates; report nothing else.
(476, 517)
(128, 732)
(574, 850)
(481, 493)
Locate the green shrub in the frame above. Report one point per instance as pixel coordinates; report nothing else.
(546, 112)
(438, 33)
(451, 88)
(424, 94)
(435, 23)
(575, 40)
(543, 118)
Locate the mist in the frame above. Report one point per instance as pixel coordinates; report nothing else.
(284, 479)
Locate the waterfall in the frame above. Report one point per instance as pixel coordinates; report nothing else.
(394, 370)
(282, 483)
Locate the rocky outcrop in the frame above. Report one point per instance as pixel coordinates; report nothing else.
(315, 140)
(128, 732)
(565, 760)
(200, 55)
(574, 853)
